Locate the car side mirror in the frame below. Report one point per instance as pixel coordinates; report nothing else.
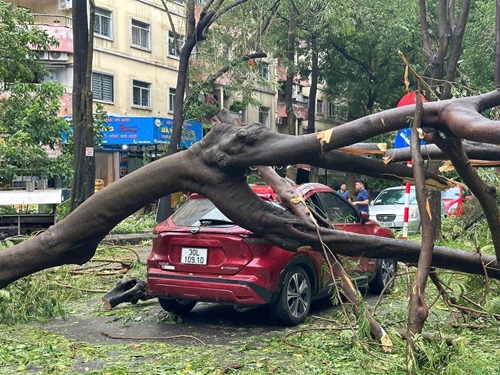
(365, 216)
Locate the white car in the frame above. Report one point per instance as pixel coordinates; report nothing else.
(387, 209)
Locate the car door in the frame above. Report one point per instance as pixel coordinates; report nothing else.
(345, 217)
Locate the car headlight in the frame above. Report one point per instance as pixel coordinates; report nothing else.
(413, 213)
(452, 208)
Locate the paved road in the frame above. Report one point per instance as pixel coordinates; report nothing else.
(211, 323)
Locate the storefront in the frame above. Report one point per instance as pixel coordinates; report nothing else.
(132, 142)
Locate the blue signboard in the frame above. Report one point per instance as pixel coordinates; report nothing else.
(128, 131)
(403, 138)
(146, 131)
(192, 132)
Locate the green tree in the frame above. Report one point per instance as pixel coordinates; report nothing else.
(361, 64)
(28, 111)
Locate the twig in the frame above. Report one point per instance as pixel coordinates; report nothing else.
(100, 273)
(151, 337)
(382, 293)
(429, 336)
(81, 289)
(129, 249)
(486, 279)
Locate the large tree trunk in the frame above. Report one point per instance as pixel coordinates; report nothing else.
(217, 164)
(290, 73)
(82, 117)
(497, 45)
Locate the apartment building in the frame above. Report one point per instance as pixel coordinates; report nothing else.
(327, 113)
(135, 65)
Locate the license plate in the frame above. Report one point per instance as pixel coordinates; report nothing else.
(194, 255)
(385, 224)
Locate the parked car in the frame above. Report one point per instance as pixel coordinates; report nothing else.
(454, 199)
(387, 209)
(200, 255)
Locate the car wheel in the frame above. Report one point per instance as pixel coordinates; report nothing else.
(386, 268)
(177, 306)
(295, 297)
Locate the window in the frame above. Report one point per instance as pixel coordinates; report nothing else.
(141, 94)
(102, 87)
(333, 207)
(140, 34)
(171, 43)
(171, 99)
(264, 70)
(331, 109)
(319, 107)
(264, 116)
(102, 23)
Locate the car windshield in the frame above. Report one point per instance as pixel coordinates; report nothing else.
(395, 196)
(452, 193)
(202, 212)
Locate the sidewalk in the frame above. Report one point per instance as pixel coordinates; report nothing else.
(127, 239)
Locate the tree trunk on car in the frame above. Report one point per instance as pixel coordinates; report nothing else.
(217, 164)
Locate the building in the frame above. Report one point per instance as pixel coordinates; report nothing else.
(135, 66)
(134, 75)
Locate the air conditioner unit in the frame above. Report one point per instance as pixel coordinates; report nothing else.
(43, 55)
(65, 4)
(279, 120)
(58, 56)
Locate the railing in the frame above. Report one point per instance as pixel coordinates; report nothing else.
(53, 19)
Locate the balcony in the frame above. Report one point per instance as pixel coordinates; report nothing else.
(52, 20)
(58, 27)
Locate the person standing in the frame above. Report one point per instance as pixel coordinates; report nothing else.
(343, 192)
(362, 196)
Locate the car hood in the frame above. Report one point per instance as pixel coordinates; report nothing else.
(388, 209)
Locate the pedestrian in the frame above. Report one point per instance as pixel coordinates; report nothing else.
(343, 192)
(362, 196)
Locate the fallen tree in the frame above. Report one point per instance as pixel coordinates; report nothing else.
(215, 168)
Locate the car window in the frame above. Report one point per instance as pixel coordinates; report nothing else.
(394, 196)
(336, 209)
(202, 212)
(195, 210)
(451, 193)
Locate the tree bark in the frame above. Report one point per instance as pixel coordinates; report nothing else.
(418, 310)
(290, 73)
(82, 117)
(217, 164)
(497, 45)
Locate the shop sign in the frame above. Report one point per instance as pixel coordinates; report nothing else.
(192, 132)
(128, 131)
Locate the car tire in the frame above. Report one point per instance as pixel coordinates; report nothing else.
(177, 306)
(386, 268)
(294, 301)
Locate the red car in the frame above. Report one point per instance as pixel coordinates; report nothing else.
(454, 199)
(200, 255)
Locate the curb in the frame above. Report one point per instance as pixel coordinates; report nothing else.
(127, 239)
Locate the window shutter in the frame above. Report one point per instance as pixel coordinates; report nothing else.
(107, 88)
(97, 86)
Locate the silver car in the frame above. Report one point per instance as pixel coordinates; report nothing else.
(388, 209)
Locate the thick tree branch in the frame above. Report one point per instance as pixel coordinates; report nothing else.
(217, 164)
(478, 151)
(418, 310)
